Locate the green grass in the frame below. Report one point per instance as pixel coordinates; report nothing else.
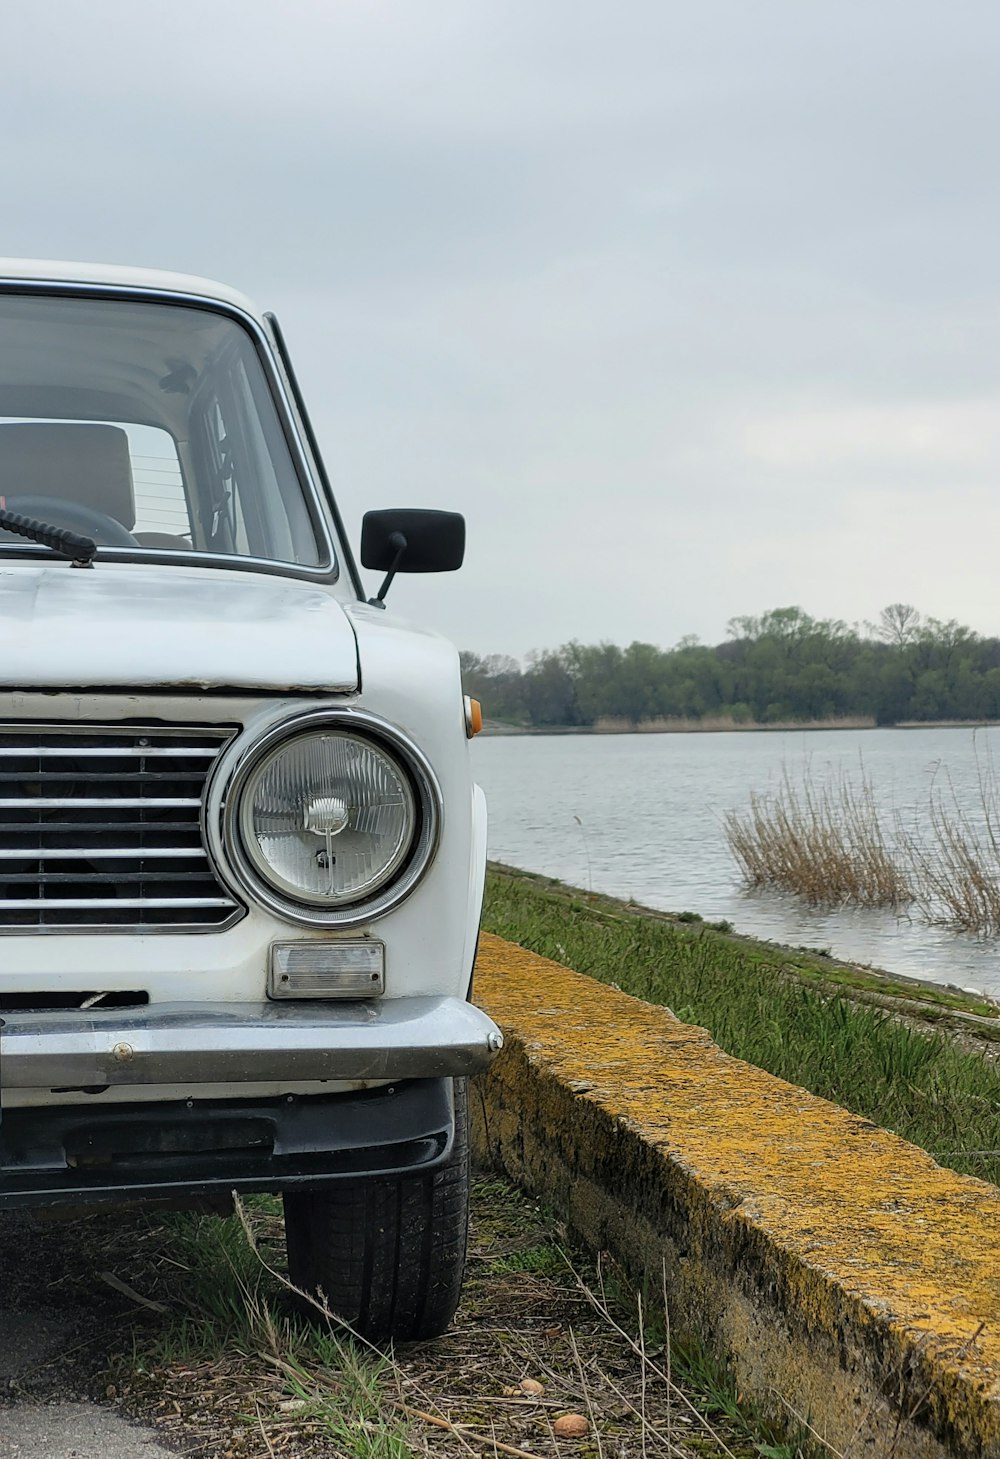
(540, 1261)
(227, 1306)
(921, 1085)
(809, 965)
(713, 1383)
(221, 1294)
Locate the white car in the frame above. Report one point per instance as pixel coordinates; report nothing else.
(241, 849)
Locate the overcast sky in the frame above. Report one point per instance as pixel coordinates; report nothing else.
(692, 308)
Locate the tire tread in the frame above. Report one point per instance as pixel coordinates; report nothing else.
(388, 1255)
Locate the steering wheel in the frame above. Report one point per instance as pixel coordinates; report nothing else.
(57, 511)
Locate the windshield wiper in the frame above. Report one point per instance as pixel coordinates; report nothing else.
(80, 550)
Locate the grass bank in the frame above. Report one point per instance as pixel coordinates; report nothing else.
(841, 1033)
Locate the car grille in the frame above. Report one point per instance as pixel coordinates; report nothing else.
(100, 827)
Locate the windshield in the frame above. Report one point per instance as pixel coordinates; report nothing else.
(145, 425)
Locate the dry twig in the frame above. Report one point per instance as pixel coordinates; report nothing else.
(131, 1293)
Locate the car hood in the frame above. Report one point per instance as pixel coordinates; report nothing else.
(147, 626)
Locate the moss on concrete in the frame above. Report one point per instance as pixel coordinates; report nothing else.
(841, 1266)
(939, 1089)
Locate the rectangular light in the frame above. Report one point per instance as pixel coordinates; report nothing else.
(337, 969)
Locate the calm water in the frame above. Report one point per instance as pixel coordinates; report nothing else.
(641, 816)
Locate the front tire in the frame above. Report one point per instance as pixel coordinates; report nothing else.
(388, 1253)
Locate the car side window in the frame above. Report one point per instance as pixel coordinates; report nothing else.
(162, 511)
(247, 507)
(224, 525)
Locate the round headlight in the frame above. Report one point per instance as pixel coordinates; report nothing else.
(327, 818)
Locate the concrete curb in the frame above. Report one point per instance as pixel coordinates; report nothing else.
(852, 1281)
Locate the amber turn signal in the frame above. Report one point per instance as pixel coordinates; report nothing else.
(473, 716)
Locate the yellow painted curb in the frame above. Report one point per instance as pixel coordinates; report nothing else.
(852, 1279)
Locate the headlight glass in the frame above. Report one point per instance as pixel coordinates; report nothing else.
(327, 817)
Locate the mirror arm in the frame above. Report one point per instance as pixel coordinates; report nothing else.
(397, 540)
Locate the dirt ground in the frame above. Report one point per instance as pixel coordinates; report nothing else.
(174, 1323)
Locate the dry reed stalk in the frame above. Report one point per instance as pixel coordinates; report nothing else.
(826, 845)
(958, 873)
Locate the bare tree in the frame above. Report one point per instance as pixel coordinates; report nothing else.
(899, 624)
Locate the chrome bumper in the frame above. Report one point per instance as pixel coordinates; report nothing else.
(244, 1043)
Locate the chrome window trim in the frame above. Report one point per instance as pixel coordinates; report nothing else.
(302, 416)
(232, 863)
(316, 504)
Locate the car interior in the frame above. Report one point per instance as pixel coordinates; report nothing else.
(145, 425)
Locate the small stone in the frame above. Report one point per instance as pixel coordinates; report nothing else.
(571, 1426)
(532, 1387)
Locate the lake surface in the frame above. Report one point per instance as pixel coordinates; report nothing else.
(641, 816)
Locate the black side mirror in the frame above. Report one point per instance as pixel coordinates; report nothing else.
(411, 539)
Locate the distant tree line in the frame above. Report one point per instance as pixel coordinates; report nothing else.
(781, 666)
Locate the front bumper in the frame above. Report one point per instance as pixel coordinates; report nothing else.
(184, 1149)
(245, 1043)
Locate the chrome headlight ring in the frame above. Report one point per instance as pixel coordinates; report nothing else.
(241, 869)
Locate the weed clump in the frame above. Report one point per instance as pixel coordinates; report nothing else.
(957, 867)
(831, 846)
(826, 844)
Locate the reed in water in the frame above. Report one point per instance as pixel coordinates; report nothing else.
(956, 867)
(831, 845)
(826, 844)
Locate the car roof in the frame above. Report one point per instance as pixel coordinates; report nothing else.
(121, 276)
